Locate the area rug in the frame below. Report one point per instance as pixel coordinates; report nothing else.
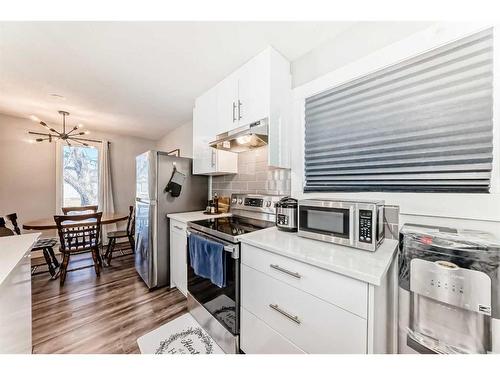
(183, 335)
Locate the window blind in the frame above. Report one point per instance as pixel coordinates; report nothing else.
(423, 125)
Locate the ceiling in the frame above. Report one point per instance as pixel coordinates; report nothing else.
(133, 78)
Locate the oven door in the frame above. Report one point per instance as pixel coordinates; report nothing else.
(222, 303)
(328, 221)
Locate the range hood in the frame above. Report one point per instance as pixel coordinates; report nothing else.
(243, 138)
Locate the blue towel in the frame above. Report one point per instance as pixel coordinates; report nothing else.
(207, 259)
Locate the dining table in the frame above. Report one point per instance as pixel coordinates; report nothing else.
(49, 223)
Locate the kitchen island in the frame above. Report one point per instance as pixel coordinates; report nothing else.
(15, 293)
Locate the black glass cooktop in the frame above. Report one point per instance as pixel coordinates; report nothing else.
(231, 226)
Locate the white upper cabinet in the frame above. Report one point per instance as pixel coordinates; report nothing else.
(259, 90)
(227, 104)
(254, 90)
(207, 160)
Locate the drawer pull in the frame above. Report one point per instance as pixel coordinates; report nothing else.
(177, 227)
(293, 318)
(278, 268)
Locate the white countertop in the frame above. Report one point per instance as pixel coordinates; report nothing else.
(12, 249)
(184, 217)
(363, 265)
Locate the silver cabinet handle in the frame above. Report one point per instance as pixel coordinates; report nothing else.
(177, 227)
(293, 318)
(234, 109)
(291, 273)
(239, 110)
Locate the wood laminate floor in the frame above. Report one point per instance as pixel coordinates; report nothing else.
(99, 315)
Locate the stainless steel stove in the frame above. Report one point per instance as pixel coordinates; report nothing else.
(218, 309)
(250, 212)
(229, 228)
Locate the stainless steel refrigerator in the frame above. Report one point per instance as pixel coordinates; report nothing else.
(154, 170)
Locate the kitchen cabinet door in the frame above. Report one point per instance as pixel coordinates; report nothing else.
(227, 104)
(254, 89)
(15, 309)
(178, 256)
(207, 160)
(204, 130)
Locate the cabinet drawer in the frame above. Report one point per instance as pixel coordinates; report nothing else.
(313, 325)
(178, 226)
(256, 337)
(342, 291)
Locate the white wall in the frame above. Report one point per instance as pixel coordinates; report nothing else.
(353, 43)
(476, 211)
(28, 171)
(181, 138)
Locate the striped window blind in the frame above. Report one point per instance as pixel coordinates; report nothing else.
(421, 125)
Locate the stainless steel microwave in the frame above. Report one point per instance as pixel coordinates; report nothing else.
(354, 223)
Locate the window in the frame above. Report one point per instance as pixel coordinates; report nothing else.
(80, 172)
(422, 125)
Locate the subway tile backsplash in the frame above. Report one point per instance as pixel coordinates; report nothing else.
(254, 176)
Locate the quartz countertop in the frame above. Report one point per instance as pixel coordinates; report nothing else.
(185, 217)
(12, 249)
(363, 265)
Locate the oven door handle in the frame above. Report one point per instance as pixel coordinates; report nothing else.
(229, 247)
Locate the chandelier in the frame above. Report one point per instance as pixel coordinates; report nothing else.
(74, 135)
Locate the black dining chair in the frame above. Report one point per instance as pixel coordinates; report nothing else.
(4, 231)
(45, 245)
(78, 234)
(127, 233)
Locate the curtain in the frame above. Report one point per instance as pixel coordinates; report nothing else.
(421, 125)
(58, 144)
(106, 202)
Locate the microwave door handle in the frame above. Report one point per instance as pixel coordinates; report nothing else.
(351, 225)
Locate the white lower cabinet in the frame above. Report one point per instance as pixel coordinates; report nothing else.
(288, 306)
(263, 339)
(15, 309)
(178, 256)
(311, 324)
(312, 280)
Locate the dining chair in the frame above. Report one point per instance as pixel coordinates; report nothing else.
(127, 233)
(78, 234)
(46, 245)
(80, 209)
(4, 231)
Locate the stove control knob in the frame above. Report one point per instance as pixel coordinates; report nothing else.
(233, 201)
(240, 201)
(268, 203)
